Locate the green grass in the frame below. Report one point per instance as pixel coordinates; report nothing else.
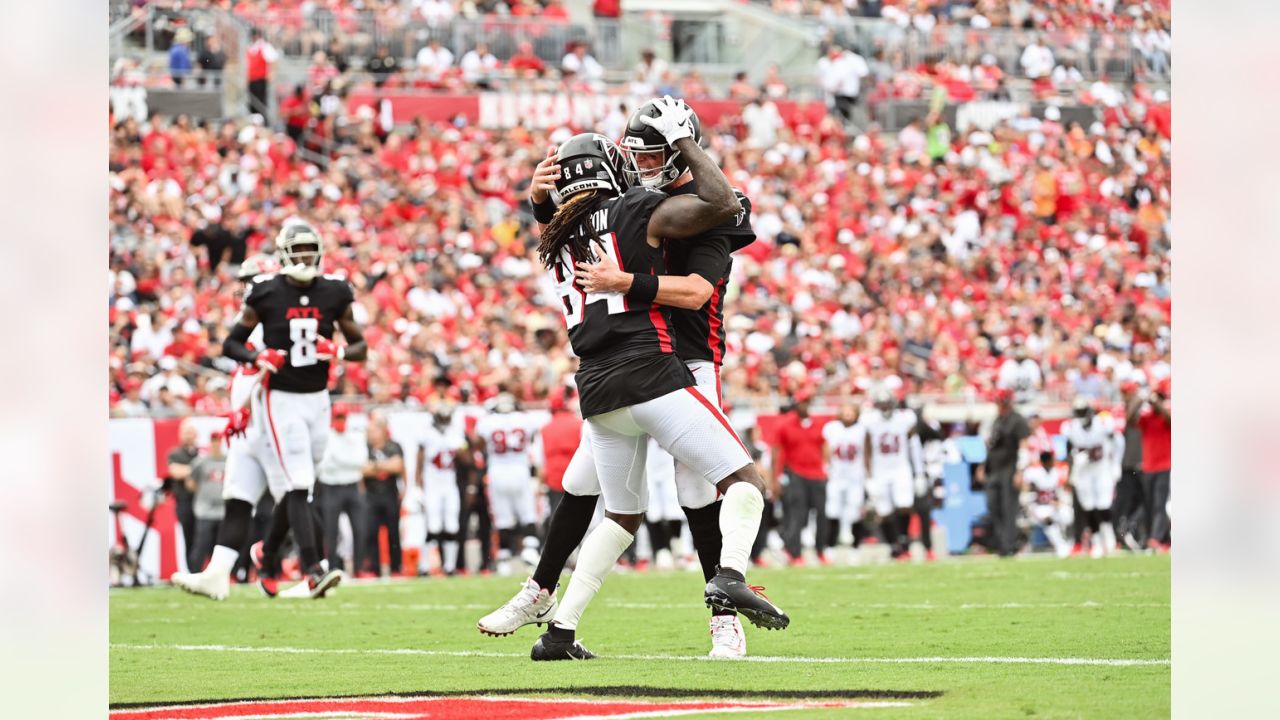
(981, 608)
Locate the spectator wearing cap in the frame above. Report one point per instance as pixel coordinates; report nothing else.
(180, 64)
(1154, 419)
(339, 488)
(205, 486)
(168, 378)
(1004, 447)
(132, 404)
(799, 477)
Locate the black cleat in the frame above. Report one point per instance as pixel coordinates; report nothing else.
(548, 648)
(729, 590)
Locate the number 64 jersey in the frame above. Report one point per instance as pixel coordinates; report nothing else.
(293, 318)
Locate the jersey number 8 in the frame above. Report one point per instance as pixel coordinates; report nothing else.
(302, 333)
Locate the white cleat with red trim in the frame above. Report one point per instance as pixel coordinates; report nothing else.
(727, 638)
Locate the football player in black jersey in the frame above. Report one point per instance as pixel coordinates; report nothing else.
(631, 384)
(298, 309)
(697, 273)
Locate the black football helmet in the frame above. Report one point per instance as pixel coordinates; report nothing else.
(640, 139)
(590, 161)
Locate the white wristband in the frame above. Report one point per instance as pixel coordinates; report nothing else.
(342, 353)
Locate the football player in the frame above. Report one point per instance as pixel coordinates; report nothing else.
(1090, 445)
(298, 309)
(506, 437)
(844, 451)
(697, 273)
(895, 462)
(437, 475)
(630, 382)
(1042, 481)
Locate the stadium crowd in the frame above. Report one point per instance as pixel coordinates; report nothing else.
(934, 255)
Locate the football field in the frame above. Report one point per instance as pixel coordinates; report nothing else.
(967, 638)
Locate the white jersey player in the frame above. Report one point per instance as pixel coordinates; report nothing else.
(438, 477)
(1090, 444)
(895, 460)
(507, 436)
(1042, 481)
(845, 452)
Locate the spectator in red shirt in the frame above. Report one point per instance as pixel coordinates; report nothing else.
(799, 454)
(524, 62)
(296, 111)
(560, 438)
(1155, 420)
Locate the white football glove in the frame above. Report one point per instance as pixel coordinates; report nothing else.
(673, 120)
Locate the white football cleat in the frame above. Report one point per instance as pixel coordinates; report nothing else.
(211, 585)
(532, 605)
(727, 638)
(297, 591)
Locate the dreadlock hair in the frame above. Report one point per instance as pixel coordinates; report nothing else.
(562, 231)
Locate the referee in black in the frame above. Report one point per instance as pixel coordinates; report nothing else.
(1007, 435)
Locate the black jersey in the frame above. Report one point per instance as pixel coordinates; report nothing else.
(626, 348)
(700, 333)
(292, 318)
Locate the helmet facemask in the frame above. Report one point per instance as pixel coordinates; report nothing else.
(300, 250)
(652, 166)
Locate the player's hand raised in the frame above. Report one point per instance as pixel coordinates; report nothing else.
(673, 121)
(602, 277)
(270, 360)
(544, 176)
(327, 349)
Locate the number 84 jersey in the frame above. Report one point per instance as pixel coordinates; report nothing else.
(293, 318)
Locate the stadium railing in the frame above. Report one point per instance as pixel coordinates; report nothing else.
(1107, 54)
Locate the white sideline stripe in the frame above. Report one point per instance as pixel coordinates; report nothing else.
(1087, 604)
(332, 609)
(1111, 662)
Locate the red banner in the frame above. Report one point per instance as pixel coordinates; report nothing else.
(549, 110)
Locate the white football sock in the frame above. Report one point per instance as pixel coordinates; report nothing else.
(600, 551)
(450, 555)
(1054, 533)
(739, 522)
(222, 560)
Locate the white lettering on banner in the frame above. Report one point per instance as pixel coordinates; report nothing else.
(548, 110)
(985, 114)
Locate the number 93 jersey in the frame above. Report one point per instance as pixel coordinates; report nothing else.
(507, 437)
(293, 318)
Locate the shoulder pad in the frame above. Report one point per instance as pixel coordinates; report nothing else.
(263, 277)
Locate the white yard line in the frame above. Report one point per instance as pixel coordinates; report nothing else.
(1110, 662)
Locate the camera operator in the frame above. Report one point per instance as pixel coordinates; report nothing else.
(181, 459)
(205, 485)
